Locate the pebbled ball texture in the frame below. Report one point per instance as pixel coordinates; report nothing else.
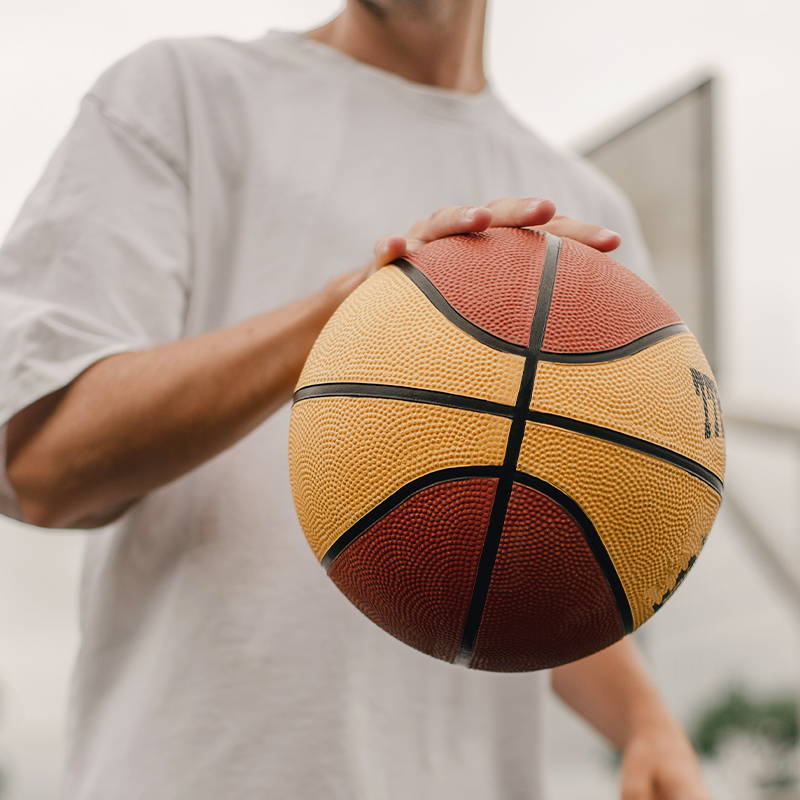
(491, 279)
(402, 494)
(650, 395)
(548, 600)
(351, 453)
(652, 516)
(408, 343)
(599, 305)
(412, 572)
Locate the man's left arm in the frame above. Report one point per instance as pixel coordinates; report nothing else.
(611, 690)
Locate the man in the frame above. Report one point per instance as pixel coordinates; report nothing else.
(160, 292)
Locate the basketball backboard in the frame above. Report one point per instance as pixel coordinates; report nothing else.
(663, 160)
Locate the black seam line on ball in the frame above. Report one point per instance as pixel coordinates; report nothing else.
(594, 541)
(405, 393)
(632, 443)
(423, 283)
(630, 349)
(390, 503)
(497, 517)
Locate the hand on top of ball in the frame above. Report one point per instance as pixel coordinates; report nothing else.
(530, 212)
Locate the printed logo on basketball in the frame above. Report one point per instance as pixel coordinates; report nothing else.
(705, 388)
(678, 581)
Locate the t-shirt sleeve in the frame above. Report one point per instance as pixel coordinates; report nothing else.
(99, 260)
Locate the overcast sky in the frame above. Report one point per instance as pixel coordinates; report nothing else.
(569, 69)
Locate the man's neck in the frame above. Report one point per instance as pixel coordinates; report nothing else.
(446, 52)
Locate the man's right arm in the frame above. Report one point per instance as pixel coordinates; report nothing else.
(136, 421)
(132, 422)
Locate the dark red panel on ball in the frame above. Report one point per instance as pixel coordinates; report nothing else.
(548, 601)
(413, 572)
(491, 278)
(600, 305)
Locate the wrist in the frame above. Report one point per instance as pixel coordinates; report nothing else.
(649, 714)
(653, 733)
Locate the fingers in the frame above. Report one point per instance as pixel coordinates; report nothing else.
(637, 780)
(534, 212)
(592, 235)
(515, 212)
(444, 222)
(388, 249)
(510, 212)
(448, 222)
(661, 765)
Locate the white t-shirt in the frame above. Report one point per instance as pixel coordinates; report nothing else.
(205, 182)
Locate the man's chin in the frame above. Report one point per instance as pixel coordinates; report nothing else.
(419, 10)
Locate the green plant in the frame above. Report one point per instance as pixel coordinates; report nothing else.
(774, 720)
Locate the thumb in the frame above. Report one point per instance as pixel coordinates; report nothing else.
(387, 250)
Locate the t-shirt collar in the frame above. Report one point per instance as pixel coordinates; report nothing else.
(433, 100)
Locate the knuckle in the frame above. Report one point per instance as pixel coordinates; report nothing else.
(416, 230)
(533, 202)
(447, 211)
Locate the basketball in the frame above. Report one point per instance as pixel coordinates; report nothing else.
(506, 450)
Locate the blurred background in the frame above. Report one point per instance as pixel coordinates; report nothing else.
(692, 107)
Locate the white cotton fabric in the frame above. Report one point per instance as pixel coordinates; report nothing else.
(205, 182)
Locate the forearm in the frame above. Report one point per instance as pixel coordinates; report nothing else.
(136, 421)
(611, 690)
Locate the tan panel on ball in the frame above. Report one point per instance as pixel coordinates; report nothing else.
(652, 516)
(388, 332)
(658, 394)
(347, 454)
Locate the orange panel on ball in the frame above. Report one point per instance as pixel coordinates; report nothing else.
(351, 453)
(653, 395)
(387, 332)
(652, 517)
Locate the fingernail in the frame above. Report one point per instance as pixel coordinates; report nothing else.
(534, 204)
(607, 234)
(470, 214)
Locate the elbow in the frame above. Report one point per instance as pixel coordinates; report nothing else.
(31, 500)
(44, 513)
(38, 508)
(47, 501)
(40, 516)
